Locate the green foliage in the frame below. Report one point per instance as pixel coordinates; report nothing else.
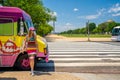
(107, 27)
(39, 14)
(83, 30)
(44, 29)
(110, 26)
(95, 30)
(102, 28)
(76, 31)
(85, 36)
(92, 26)
(117, 24)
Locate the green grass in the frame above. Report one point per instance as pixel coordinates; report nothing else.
(85, 36)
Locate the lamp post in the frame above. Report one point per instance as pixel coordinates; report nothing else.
(53, 19)
(53, 26)
(88, 31)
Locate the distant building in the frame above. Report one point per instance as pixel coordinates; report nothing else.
(110, 20)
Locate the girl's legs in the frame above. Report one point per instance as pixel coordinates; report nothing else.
(32, 64)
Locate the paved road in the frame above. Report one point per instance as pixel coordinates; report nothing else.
(95, 57)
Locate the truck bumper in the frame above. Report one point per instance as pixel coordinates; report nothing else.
(42, 55)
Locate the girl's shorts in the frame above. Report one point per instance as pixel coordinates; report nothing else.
(31, 53)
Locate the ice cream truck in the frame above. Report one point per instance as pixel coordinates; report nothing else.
(14, 26)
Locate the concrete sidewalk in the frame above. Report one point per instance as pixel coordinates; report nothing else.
(25, 75)
(90, 76)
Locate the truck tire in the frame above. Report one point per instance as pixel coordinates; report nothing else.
(23, 62)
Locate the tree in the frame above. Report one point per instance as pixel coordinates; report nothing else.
(92, 26)
(39, 14)
(76, 31)
(117, 24)
(44, 29)
(102, 27)
(110, 26)
(83, 30)
(95, 30)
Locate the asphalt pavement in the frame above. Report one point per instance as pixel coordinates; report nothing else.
(77, 61)
(72, 56)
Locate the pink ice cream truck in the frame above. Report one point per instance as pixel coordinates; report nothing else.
(14, 26)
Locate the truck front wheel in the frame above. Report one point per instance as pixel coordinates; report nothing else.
(23, 62)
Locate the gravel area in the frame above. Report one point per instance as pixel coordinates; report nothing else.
(25, 75)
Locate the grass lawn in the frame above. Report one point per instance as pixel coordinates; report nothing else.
(84, 36)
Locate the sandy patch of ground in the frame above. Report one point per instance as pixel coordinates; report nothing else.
(54, 37)
(25, 75)
(86, 39)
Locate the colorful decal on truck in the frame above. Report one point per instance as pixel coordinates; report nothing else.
(9, 48)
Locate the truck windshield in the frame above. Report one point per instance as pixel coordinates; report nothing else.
(6, 27)
(116, 32)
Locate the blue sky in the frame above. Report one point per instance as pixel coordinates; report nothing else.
(72, 14)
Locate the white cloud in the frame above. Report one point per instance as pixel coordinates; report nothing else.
(64, 27)
(53, 14)
(95, 16)
(75, 9)
(118, 14)
(103, 9)
(117, 4)
(115, 8)
(68, 24)
(90, 17)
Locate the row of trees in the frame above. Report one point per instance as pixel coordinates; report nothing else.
(39, 14)
(105, 27)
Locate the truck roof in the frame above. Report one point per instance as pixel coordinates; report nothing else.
(13, 12)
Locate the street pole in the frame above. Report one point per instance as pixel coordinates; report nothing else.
(54, 26)
(53, 19)
(88, 31)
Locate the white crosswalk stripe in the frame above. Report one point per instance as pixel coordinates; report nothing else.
(80, 54)
(78, 65)
(83, 52)
(84, 55)
(67, 59)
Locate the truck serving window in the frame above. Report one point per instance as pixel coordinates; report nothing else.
(22, 28)
(6, 27)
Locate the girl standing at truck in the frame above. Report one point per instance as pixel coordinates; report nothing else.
(31, 47)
